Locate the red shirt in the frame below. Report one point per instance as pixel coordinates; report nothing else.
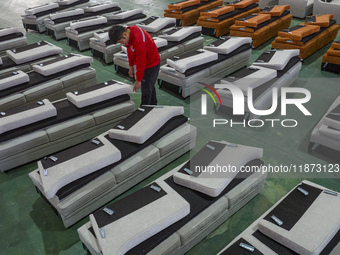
(142, 51)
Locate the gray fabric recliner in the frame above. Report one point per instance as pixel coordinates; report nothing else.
(324, 7)
(299, 8)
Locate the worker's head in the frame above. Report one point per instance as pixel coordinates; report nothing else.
(119, 34)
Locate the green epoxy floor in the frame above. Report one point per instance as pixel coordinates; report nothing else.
(29, 226)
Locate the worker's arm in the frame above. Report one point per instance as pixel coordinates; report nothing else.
(130, 58)
(140, 53)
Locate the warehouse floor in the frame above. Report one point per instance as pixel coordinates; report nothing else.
(29, 226)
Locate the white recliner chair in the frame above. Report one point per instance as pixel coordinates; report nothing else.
(299, 8)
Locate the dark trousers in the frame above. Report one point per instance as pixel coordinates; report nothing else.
(148, 86)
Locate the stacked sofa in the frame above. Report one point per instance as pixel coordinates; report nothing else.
(50, 78)
(305, 221)
(39, 128)
(331, 59)
(187, 12)
(87, 176)
(173, 42)
(263, 26)
(272, 70)
(103, 48)
(326, 132)
(187, 73)
(34, 17)
(309, 36)
(179, 209)
(155, 25)
(80, 31)
(11, 37)
(56, 23)
(217, 21)
(24, 57)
